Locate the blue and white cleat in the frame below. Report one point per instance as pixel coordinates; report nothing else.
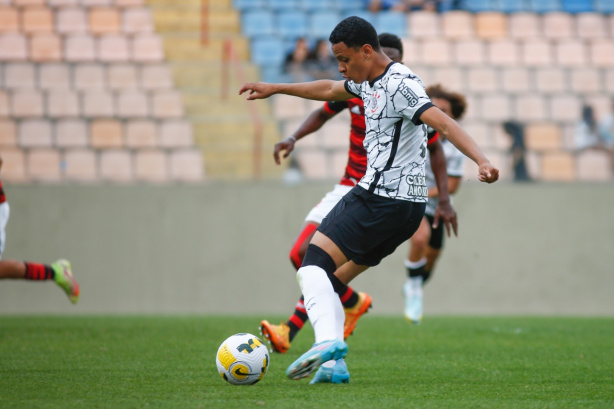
(412, 290)
(335, 374)
(316, 356)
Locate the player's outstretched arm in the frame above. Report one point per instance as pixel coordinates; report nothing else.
(448, 127)
(322, 90)
(312, 123)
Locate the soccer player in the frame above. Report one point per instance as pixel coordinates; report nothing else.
(387, 205)
(354, 304)
(427, 242)
(60, 271)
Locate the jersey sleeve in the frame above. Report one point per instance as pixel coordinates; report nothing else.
(455, 162)
(353, 88)
(334, 107)
(409, 98)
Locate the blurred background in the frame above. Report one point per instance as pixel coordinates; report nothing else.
(126, 149)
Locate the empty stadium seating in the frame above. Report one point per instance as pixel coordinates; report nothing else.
(85, 95)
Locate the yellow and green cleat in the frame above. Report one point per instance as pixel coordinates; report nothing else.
(64, 278)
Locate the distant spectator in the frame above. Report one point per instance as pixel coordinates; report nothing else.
(321, 64)
(585, 135)
(295, 65)
(606, 128)
(518, 150)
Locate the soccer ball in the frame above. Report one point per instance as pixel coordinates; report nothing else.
(242, 359)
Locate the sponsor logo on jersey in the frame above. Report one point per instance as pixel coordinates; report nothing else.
(409, 95)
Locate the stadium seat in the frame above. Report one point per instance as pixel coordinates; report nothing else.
(8, 133)
(80, 165)
(9, 19)
(71, 133)
(98, 104)
(175, 134)
(457, 24)
(571, 53)
(477, 6)
(35, 133)
(155, 76)
(491, 25)
(122, 76)
(132, 104)
(349, 4)
(543, 136)
(423, 24)
(257, 23)
(565, 108)
(604, 6)
(436, 52)
(186, 165)
(61, 3)
(496, 107)
(558, 167)
(37, 20)
(537, 53)
(516, 80)
(104, 20)
(27, 103)
(267, 51)
(503, 52)
(313, 163)
(291, 24)
(141, 133)
(558, 26)
(151, 165)
(483, 79)
(44, 164)
(54, 75)
(601, 53)
(593, 165)
(287, 107)
(113, 48)
(532, 107)
(551, 80)
(314, 5)
(5, 105)
(63, 103)
(513, 6)
(322, 23)
(469, 52)
(585, 80)
(14, 165)
(19, 75)
(524, 26)
(452, 77)
(591, 25)
(147, 48)
(71, 20)
(545, 6)
(242, 5)
(577, 6)
(89, 77)
(79, 47)
(106, 133)
(137, 20)
(362, 13)
(391, 22)
(278, 5)
(167, 104)
(116, 166)
(45, 47)
(13, 47)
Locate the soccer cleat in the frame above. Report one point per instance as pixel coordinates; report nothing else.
(413, 301)
(278, 336)
(335, 374)
(316, 356)
(63, 277)
(353, 314)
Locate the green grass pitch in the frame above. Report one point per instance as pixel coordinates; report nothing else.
(169, 362)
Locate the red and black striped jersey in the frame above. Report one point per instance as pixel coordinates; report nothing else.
(357, 156)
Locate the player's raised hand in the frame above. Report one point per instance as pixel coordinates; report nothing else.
(488, 173)
(287, 145)
(257, 90)
(446, 212)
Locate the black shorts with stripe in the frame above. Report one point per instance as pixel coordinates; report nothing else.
(367, 227)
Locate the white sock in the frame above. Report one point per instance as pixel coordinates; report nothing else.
(415, 264)
(321, 302)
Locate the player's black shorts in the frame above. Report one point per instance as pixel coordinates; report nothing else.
(367, 227)
(437, 235)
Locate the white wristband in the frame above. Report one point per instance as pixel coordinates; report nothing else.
(292, 137)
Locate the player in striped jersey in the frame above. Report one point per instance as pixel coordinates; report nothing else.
(60, 271)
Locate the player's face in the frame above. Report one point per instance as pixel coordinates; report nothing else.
(444, 105)
(353, 63)
(393, 54)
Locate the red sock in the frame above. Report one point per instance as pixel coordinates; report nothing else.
(349, 299)
(295, 257)
(36, 271)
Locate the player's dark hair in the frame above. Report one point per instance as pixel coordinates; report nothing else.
(389, 40)
(355, 32)
(458, 102)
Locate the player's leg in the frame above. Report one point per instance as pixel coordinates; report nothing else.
(355, 304)
(415, 263)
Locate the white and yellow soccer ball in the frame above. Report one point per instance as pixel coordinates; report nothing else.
(242, 359)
